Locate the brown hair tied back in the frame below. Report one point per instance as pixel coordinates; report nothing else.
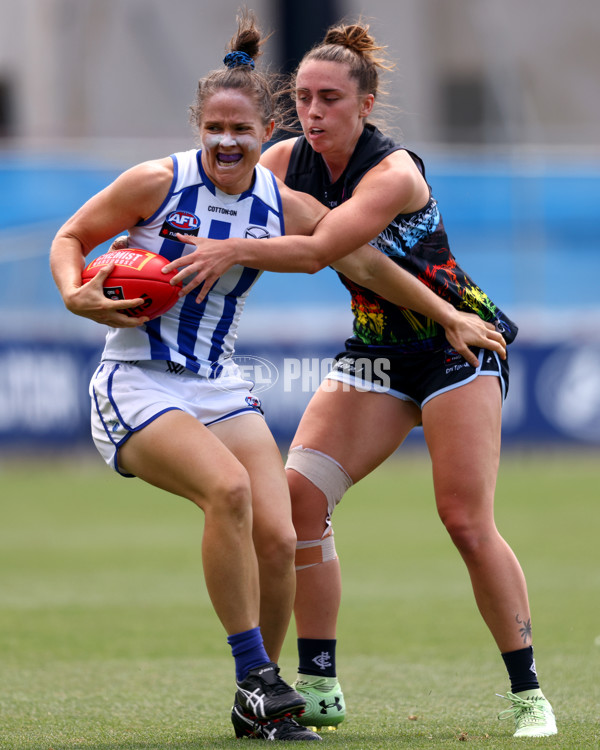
(248, 39)
(240, 73)
(353, 45)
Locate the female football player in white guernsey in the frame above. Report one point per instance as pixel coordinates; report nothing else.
(170, 406)
(377, 189)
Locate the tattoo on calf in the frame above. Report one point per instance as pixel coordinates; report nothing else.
(525, 629)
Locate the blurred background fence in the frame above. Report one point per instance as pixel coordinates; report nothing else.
(497, 98)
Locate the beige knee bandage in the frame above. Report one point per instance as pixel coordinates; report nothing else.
(316, 551)
(323, 471)
(329, 477)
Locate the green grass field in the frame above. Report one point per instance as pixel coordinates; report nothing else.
(108, 640)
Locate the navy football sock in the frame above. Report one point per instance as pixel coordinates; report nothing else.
(520, 665)
(316, 656)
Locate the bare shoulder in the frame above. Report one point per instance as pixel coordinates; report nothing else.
(157, 172)
(398, 177)
(397, 165)
(147, 183)
(277, 157)
(134, 195)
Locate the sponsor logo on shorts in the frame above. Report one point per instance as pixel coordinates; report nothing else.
(345, 364)
(175, 368)
(457, 367)
(454, 361)
(254, 402)
(451, 355)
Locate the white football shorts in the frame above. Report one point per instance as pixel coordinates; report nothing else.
(127, 397)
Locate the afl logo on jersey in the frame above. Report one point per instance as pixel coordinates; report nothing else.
(257, 233)
(180, 222)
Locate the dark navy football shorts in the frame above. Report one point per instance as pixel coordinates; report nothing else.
(416, 377)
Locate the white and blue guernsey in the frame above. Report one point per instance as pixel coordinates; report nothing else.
(199, 336)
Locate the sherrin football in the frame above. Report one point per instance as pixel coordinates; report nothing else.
(137, 273)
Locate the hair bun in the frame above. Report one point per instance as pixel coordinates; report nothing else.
(234, 59)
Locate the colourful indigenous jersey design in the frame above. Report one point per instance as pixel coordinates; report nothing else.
(199, 336)
(416, 241)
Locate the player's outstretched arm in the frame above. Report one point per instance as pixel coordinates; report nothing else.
(315, 237)
(372, 269)
(295, 252)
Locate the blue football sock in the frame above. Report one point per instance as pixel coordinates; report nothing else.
(248, 651)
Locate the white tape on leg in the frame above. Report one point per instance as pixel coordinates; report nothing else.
(316, 551)
(323, 471)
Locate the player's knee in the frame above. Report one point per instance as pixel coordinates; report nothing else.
(230, 495)
(309, 507)
(467, 536)
(316, 551)
(317, 484)
(312, 510)
(277, 551)
(237, 495)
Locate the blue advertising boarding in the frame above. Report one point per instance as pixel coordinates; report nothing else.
(527, 235)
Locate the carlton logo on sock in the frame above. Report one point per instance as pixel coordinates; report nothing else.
(323, 660)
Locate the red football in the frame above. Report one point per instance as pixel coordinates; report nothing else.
(137, 273)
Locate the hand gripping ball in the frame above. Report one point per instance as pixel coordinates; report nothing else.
(137, 273)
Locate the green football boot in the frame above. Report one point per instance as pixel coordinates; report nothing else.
(325, 707)
(532, 713)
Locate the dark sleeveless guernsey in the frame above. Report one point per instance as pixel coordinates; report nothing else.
(416, 241)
